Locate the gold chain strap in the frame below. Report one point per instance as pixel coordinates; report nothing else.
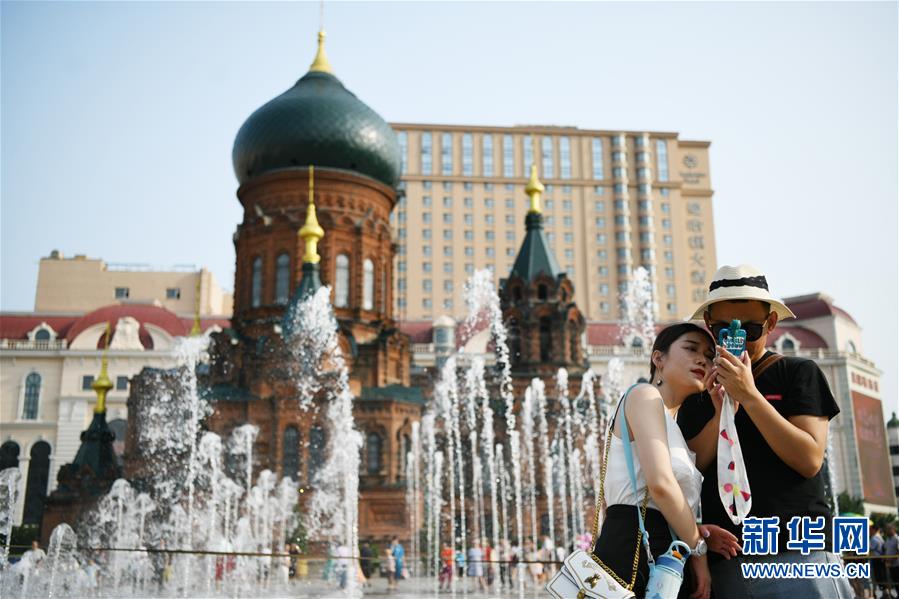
(599, 504)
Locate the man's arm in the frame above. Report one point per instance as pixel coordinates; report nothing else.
(799, 441)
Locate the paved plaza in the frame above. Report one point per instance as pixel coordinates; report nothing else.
(415, 587)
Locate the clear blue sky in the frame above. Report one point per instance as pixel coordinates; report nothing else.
(118, 119)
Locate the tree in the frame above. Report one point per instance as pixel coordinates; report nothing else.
(847, 503)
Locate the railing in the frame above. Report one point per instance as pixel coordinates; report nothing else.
(34, 345)
(616, 350)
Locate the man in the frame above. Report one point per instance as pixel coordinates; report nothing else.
(891, 565)
(878, 565)
(783, 408)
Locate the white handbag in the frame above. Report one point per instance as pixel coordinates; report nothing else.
(585, 576)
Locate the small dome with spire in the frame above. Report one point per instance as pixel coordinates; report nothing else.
(317, 121)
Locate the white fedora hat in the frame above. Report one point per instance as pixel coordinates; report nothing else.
(743, 282)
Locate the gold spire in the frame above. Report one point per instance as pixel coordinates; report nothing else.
(102, 384)
(197, 329)
(311, 231)
(534, 189)
(321, 63)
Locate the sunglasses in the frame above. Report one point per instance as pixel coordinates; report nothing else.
(754, 330)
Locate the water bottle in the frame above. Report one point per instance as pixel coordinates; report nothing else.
(666, 576)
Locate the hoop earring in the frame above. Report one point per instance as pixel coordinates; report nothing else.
(659, 382)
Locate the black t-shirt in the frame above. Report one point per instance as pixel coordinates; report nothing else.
(795, 387)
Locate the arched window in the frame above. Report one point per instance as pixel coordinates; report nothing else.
(514, 339)
(368, 285)
(637, 342)
(42, 335)
(574, 342)
(850, 347)
(542, 293)
(404, 448)
(290, 453)
(9, 455)
(256, 289)
(317, 440)
(342, 282)
(373, 453)
(787, 344)
(282, 279)
(32, 396)
(36, 487)
(546, 344)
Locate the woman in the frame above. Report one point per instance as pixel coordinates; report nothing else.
(476, 565)
(667, 478)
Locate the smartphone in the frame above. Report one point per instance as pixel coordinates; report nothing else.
(733, 338)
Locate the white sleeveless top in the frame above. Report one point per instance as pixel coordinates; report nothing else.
(683, 463)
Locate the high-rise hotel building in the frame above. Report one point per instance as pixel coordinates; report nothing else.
(614, 200)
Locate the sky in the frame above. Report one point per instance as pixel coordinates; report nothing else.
(117, 120)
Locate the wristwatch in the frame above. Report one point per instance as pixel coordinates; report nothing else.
(701, 548)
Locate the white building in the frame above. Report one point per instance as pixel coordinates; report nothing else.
(47, 365)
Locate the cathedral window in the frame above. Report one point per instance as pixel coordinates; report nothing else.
(373, 453)
(282, 279)
(545, 339)
(317, 441)
(290, 453)
(368, 285)
(256, 283)
(342, 282)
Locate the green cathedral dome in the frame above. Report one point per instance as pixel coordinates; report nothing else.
(318, 122)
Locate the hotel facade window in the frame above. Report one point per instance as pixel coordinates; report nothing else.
(426, 154)
(403, 138)
(487, 155)
(528, 145)
(256, 283)
(467, 155)
(282, 278)
(342, 281)
(596, 145)
(446, 154)
(662, 159)
(565, 159)
(549, 169)
(508, 157)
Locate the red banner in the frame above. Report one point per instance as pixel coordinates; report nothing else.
(871, 438)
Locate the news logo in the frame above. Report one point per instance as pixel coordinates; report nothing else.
(805, 535)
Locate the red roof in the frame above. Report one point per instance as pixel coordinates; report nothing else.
(419, 331)
(807, 339)
(17, 326)
(815, 306)
(603, 333)
(166, 320)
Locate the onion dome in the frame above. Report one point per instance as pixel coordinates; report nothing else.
(317, 121)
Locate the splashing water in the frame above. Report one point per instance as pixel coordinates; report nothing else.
(334, 507)
(639, 309)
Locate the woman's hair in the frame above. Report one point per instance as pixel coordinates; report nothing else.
(671, 334)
